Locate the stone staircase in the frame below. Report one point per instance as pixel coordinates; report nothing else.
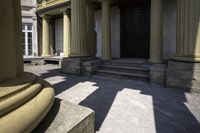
(126, 68)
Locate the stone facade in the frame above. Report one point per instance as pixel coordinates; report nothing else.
(169, 38)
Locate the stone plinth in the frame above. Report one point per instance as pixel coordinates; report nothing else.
(158, 74)
(82, 65)
(89, 67)
(65, 117)
(184, 75)
(71, 66)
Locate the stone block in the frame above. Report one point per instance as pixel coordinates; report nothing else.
(65, 117)
(184, 75)
(37, 62)
(158, 74)
(71, 66)
(90, 67)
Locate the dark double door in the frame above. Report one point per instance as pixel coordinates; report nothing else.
(135, 30)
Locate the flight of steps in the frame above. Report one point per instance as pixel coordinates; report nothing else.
(125, 68)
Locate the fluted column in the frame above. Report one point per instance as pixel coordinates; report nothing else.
(79, 45)
(188, 30)
(156, 38)
(91, 28)
(106, 30)
(67, 30)
(45, 36)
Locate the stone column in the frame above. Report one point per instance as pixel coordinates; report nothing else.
(158, 68)
(11, 51)
(45, 36)
(79, 45)
(66, 34)
(91, 28)
(106, 30)
(156, 38)
(184, 69)
(188, 30)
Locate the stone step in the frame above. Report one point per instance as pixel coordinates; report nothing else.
(128, 69)
(118, 74)
(126, 64)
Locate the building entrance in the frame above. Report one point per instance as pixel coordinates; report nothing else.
(135, 30)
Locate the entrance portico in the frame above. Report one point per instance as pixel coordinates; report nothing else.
(79, 37)
(111, 29)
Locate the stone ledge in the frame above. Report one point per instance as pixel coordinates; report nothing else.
(65, 117)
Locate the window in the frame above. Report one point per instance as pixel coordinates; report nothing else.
(27, 39)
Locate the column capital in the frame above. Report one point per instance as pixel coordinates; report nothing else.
(67, 11)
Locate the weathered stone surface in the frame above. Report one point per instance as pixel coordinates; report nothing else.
(89, 67)
(184, 75)
(38, 62)
(65, 117)
(71, 65)
(158, 74)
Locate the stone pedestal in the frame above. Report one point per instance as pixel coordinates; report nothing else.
(80, 65)
(158, 74)
(89, 67)
(71, 66)
(184, 75)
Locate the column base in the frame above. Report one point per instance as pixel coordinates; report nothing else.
(187, 59)
(184, 75)
(158, 74)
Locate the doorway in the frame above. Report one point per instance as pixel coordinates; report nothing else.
(135, 30)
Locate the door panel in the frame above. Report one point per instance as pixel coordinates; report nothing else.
(135, 36)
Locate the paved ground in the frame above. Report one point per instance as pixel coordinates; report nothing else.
(127, 106)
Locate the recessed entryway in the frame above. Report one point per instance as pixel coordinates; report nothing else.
(135, 30)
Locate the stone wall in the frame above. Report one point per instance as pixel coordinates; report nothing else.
(59, 36)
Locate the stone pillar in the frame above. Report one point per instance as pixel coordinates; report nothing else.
(11, 51)
(91, 28)
(66, 34)
(45, 36)
(156, 38)
(188, 30)
(79, 45)
(184, 69)
(106, 30)
(157, 69)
